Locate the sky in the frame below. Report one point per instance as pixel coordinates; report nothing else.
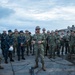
(27, 14)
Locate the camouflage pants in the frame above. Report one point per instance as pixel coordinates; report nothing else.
(0, 60)
(45, 45)
(58, 49)
(15, 48)
(72, 49)
(52, 50)
(39, 52)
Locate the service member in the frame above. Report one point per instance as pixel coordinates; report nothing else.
(21, 48)
(38, 40)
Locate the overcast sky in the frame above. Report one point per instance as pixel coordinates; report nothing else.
(27, 14)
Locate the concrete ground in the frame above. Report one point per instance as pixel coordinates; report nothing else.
(57, 66)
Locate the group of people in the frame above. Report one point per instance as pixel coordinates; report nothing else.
(40, 44)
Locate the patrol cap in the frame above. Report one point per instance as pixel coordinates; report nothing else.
(37, 27)
(52, 31)
(26, 31)
(71, 30)
(48, 31)
(67, 31)
(56, 30)
(15, 30)
(21, 31)
(29, 32)
(43, 29)
(9, 31)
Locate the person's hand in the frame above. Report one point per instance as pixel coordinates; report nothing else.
(39, 42)
(21, 44)
(33, 42)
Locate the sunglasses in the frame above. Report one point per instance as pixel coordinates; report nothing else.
(37, 29)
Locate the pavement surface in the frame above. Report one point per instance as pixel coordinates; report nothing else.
(57, 66)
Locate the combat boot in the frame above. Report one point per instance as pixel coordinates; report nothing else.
(50, 56)
(6, 61)
(43, 68)
(1, 67)
(23, 58)
(36, 65)
(11, 60)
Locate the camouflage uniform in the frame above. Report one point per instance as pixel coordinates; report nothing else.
(62, 42)
(8, 43)
(15, 45)
(3, 36)
(38, 47)
(67, 39)
(57, 36)
(47, 47)
(0, 57)
(30, 45)
(52, 44)
(27, 36)
(72, 43)
(45, 43)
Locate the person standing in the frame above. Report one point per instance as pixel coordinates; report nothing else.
(21, 48)
(38, 41)
(27, 36)
(62, 42)
(57, 36)
(8, 47)
(52, 44)
(15, 35)
(72, 43)
(45, 43)
(67, 40)
(3, 37)
(0, 57)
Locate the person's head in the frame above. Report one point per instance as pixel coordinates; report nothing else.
(16, 31)
(26, 31)
(48, 32)
(4, 31)
(72, 32)
(62, 32)
(56, 31)
(67, 32)
(52, 32)
(29, 33)
(43, 30)
(21, 32)
(9, 32)
(37, 29)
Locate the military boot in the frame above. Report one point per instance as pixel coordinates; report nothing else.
(43, 68)
(6, 61)
(11, 60)
(1, 67)
(50, 56)
(36, 65)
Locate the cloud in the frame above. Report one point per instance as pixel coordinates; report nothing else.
(5, 12)
(64, 13)
(41, 10)
(27, 14)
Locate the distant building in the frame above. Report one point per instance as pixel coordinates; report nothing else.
(67, 29)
